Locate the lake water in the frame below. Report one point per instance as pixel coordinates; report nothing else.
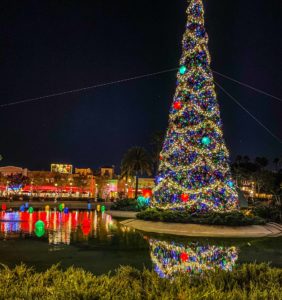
(100, 244)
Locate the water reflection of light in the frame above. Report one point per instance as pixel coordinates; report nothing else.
(172, 258)
(60, 227)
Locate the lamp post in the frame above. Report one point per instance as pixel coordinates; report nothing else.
(96, 192)
(71, 189)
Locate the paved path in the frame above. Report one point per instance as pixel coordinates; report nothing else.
(122, 214)
(205, 230)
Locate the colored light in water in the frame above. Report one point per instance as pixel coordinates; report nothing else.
(61, 207)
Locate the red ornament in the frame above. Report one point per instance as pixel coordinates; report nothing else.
(161, 158)
(184, 197)
(184, 256)
(177, 105)
(4, 206)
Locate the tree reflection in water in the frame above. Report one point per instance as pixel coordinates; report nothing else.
(170, 258)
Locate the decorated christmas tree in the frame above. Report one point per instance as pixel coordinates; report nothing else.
(194, 172)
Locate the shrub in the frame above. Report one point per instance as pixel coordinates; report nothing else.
(248, 281)
(235, 218)
(270, 213)
(125, 205)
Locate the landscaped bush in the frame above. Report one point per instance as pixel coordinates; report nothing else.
(270, 213)
(126, 205)
(248, 281)
(235, 218)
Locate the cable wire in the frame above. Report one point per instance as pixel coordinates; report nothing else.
(86, 88)
(249, 113)
(126, 80)
(248, 86)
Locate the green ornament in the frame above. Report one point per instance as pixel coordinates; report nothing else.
(103, 208)
(39, 225)
(182, 70)
(206, 141)
(31, 210)
(39, 232)
(61, 207)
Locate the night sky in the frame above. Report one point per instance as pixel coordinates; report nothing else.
(53, 46)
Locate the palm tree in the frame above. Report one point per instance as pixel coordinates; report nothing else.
(136, 161)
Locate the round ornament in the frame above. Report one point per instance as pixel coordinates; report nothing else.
(184, 197)
(184, 257)
(206, 141)
(61, 207)
(177, 105)
(182, 70)
(39, 225)
(31, 210)
(230, 184)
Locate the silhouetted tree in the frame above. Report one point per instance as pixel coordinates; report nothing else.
(136, 161)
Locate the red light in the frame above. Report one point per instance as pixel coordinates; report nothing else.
(184, 197)
(177, 105)
(184, 256)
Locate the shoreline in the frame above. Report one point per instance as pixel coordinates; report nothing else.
(197, 230)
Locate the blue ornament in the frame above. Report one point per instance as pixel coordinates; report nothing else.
(26, 205)
(89, 206)
(22, 208)
(182, 70)
(206, 141)
(230, 184)
(66, 210)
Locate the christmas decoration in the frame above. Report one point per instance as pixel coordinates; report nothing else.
(194, 172)
(194, 258)
(61, 207)
(31, 210)
(182, 70)
(39, 225)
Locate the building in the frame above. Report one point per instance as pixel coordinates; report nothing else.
(12, 170)
(249, 190)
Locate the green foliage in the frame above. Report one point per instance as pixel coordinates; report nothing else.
(269, 213)
(126, 205)
(248, 281)
(235, 218)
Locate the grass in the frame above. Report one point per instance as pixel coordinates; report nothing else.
(248, 281)
(236, 218)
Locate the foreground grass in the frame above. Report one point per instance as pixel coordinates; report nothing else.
(246, 282)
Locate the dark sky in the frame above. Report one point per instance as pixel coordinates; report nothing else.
(52, 46)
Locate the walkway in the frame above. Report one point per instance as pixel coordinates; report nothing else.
(269, 230)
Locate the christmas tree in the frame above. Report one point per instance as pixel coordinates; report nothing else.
(194, 172)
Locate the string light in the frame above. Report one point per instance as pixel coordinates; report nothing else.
(194, 170)
(172, 258)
